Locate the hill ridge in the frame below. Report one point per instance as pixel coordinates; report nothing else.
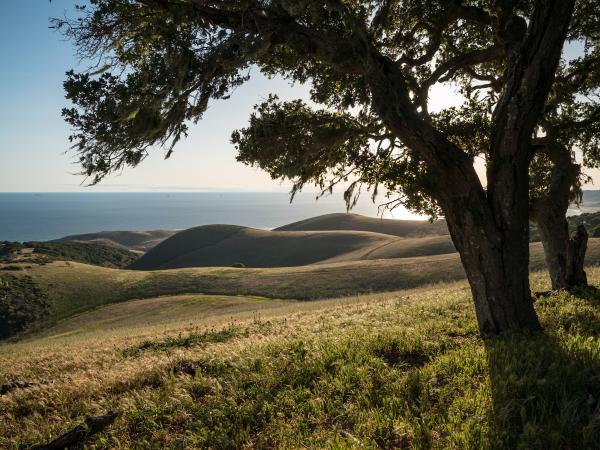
(358, 222)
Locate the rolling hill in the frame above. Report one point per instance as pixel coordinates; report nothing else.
(73, 288)
(133, 240)
(227, 245)
(356, 222)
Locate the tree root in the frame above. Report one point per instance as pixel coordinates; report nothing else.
(80, 433)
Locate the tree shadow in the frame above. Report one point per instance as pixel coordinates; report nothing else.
(545, 390)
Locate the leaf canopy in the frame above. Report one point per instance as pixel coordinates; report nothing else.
(163, 61)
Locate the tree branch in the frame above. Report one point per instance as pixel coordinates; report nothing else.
(446, 70)
(530, 79)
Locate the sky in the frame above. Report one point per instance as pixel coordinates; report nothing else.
(34, 147)
(33, 135)
(34, 153)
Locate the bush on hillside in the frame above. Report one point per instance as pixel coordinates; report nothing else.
(22, 303)
(87, 253)
(8, 248)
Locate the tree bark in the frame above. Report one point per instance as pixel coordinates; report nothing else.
(576, 276)
(554, 234)
(565, 255)
(496, 264)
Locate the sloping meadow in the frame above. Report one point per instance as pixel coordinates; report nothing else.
(404, 369)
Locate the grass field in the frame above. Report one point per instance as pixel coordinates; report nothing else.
(74, 288)
(404, 369)
(161, 313)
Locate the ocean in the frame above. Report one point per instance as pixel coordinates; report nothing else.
(46, 216)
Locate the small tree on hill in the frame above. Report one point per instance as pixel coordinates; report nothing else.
(371, 65)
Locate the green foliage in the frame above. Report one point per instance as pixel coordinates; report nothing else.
(168, 76)
(22, 303)
(8, 249)
(87, 253)
(189, 340)
(291, 141)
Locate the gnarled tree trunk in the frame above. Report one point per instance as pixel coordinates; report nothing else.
(496, 262)
(489, 227)
(564, 254)
(493, 244)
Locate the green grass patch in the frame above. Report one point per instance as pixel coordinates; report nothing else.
(434, 387)
(186, 341)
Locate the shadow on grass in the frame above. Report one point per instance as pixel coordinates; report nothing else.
(545, 391)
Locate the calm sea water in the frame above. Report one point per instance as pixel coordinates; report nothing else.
(28, 216)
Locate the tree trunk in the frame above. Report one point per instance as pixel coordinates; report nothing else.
(576, 276)
(496, 264)
(564, 255)
(554, 234)
(494, 247)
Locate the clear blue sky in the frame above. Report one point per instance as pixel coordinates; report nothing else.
(33, 136)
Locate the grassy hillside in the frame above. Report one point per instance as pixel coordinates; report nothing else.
(411, 247)
(356, 222)
(74, 288)
(396, 370)
(133, 240)
(161, 313)
(226, 245)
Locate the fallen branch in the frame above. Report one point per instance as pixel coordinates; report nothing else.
(80, 433)
(8, 387)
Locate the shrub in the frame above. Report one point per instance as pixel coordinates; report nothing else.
(22, 302)
(87, 253)
(8, 248)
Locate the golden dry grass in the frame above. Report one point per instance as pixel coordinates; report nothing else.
(395, 369)
(133, 240)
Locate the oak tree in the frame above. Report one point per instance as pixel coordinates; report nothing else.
(371, 66)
